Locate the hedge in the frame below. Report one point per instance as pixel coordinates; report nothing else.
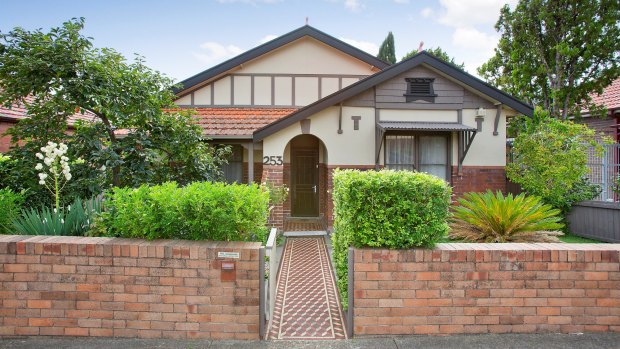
(389, 209)
(199, 211)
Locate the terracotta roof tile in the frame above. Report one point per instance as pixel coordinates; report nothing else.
(610, 98)
(19, 111)
(237, 121)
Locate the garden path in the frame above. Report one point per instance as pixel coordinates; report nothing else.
(307, 305)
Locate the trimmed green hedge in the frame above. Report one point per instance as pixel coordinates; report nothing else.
(10, 206)
(389, 209)
(199, 211)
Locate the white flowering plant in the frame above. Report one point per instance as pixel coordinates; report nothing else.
(54, 169)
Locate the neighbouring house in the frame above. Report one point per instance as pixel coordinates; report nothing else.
(610, 124)
(10, 116)
(304, 104)
(605, 167)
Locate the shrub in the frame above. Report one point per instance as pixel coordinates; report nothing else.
(550, 160)
(488, 217)
(199, 211)
(73, 220)
(10, 206)
(393, 209)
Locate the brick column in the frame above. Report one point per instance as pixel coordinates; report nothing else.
(275, 175)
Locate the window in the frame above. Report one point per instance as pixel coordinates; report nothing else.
(424, 153)
(233, 170)
(420, 89)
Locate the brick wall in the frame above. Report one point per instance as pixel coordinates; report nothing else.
(478, 179)
(5, 141)
(258, 172)
(109, 287)
(487, 288)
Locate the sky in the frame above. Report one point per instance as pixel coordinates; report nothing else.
(183, 38)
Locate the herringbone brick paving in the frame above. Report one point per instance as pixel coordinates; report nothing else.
(307, 305)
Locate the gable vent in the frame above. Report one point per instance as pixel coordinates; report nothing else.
(420, 89)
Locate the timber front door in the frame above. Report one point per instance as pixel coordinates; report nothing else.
(305, 183)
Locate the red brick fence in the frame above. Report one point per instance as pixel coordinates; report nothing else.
(486, 288)
(128, 288)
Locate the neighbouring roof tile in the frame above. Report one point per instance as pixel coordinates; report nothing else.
(610, 98)
(19, 111)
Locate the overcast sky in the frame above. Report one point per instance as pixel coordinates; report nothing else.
(183, 38)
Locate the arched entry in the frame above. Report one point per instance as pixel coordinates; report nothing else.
(306, 153)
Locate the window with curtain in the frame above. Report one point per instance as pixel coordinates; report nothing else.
(233, 170)
(424, 153)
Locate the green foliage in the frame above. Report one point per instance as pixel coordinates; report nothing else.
(10, 206)
(550, 160)
(390, 209)
(277, 193)
(439, 53)
(556, 53)
(73, 220)
(65, 74)
(199, 211)
(615, 187)
(387, 50)
(488, 217)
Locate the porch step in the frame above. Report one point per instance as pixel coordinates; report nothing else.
(305, 233)
(305, 224)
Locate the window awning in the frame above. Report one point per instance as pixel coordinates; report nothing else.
(465, 133)
(423, 126)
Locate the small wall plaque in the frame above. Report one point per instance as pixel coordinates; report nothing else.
(228, 255)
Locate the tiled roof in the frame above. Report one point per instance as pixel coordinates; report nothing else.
(610, 98)
(237, 121)
(19, 111)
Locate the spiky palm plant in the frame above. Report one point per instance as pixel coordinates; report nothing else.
(488, 217)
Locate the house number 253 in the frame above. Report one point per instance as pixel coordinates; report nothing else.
(272, 160)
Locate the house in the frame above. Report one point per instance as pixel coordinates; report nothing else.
(10, 116)
(610, 99)
(300, 106)
(605, 167)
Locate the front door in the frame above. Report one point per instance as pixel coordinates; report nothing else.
(305, 183)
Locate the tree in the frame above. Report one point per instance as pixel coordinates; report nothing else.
(387, 51)
(63, 74)
(550, 159)
(556, 53)
(439, 53)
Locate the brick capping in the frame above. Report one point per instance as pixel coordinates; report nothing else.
(487, 288)
(113, 287)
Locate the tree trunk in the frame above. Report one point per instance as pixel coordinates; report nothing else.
(116, 170)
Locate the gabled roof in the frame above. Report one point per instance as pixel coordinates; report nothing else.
(391, 72)
(277, 43)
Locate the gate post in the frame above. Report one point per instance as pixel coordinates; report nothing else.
(261, 292)
(350, 292)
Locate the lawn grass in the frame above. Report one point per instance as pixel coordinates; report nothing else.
(574, 239)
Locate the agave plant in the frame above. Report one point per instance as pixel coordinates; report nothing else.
(488, 217)
(74, 220)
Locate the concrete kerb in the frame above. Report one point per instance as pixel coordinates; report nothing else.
(547, 341)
